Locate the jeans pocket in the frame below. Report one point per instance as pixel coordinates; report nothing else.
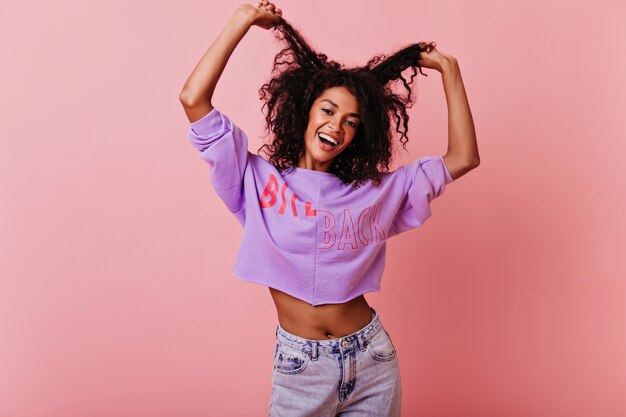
(381, 347)
(289, 361)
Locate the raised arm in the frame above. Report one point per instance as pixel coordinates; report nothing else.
(198, 90)
(462, 155)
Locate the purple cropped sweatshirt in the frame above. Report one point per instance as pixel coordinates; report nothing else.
(306, 233)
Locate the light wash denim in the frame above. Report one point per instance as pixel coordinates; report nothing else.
(354, 376)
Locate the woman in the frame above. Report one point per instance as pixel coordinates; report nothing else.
(317, 213)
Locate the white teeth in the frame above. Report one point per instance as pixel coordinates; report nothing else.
(328, 138)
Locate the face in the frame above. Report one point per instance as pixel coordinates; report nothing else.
(333, 122)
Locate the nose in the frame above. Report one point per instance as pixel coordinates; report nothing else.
(335, 124)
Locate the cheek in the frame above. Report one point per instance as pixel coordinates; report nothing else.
(352, 138)
(312, 125)
(309, 135)
(310, 130)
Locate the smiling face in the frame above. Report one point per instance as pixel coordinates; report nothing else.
(333, 122)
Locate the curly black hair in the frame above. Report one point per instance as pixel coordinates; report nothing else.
(300, 75)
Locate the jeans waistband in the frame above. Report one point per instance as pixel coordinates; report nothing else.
(356, 340)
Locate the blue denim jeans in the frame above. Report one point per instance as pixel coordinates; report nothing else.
(357, 375)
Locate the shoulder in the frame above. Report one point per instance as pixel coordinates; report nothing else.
(432, 167)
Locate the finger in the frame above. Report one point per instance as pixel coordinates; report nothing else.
(425, 46)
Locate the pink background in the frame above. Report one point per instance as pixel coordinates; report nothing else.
(116, 297)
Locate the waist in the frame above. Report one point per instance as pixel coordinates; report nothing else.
(321, 322)
(357, 339)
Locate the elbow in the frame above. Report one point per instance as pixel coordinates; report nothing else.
(473, 160)
(470, 163)
(189, 98)
(186, 98)
(199, 104)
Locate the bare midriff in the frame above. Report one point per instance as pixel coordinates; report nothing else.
(322, 322)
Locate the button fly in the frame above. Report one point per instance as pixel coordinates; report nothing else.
(344, 343)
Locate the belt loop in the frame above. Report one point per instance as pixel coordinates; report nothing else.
(362, 341)
(314, 350)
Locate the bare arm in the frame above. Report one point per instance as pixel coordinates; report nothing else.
(462, 155)
(198, 90)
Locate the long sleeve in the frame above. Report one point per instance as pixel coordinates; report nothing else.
(224, 146)
(424, 180)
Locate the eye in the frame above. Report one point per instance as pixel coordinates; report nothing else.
(351, 123)
(327, 111)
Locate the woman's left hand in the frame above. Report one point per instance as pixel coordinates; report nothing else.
(432, 58)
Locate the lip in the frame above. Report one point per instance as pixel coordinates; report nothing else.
(332, 136)
(323, 146)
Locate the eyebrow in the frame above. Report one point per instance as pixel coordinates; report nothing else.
(349, 114)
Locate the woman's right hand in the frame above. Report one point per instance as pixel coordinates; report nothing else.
(266, 14)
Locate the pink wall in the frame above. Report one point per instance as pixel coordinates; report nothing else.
(116, 297)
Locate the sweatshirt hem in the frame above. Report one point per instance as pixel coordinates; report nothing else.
(317, 302)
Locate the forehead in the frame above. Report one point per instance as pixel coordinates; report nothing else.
(340, 97)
